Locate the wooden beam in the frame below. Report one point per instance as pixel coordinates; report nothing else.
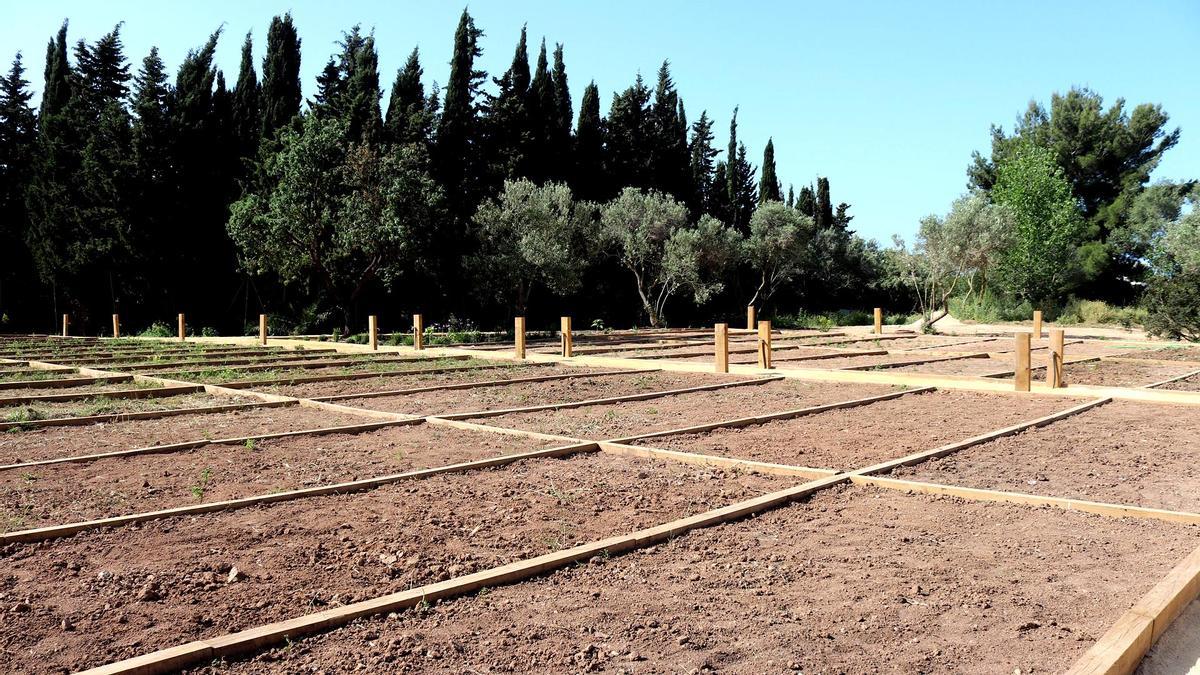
(262, 329)
(730, 463)
(116, 326)
(1021, 373)
(564, 333)
(1054, 366)
(764, 345)
(1037, 323)
(154, 392)
(182, 328)
(721, 336)
(139, 415)
(418, 332)
(1169, 380)
(373, 331)
(65, 323)
(339, 377)
(751, 323)
(65, 382)
(879, 321)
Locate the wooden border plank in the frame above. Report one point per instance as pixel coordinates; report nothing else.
(718, 461)
(1169, 380)
(308, 379)
(64, 382)
(484, 383)
(155, 392)
(141, 415)
(917, 362)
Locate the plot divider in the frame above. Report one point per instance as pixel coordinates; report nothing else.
(485, 383)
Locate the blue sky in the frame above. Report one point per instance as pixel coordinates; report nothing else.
(887, 99)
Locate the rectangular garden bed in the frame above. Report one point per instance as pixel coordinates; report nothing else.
(1121, 373)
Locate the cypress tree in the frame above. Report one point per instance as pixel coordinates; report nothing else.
(155, 181)
(669, 159)
(806, 203)
(508, 118)
(408, 116)
(543, 117)
(791, 197)
(17, 136)
(824, 215)
(628, 137)
(719, 206)
(700, 165)
(247, 114)
(363, 94)
(768, 186)
(456, 153)
(741, 176)
(280, 100)
(56, 91)
(561, 140)
(588, 178)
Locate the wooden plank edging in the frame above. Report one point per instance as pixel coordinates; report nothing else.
(484, 383)
(718, 461)
(140, 415)
(155, 392)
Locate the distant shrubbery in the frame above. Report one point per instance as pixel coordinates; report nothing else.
(841, 317)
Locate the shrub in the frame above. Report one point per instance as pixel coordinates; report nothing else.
(158, 329)
(989, 308)
(1097, 313)
(1173, 307)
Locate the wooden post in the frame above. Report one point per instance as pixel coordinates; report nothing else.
(116, 326)
(182, 328)
(373, 329)
(418, 331)
(750, 317)
(1022, 375)
(721, 332)
(1054, 373)
(879, 321)
(1037, 323)
(764, 345)
(564, 331)
(519, 336)
(66, 322)
(262, 329)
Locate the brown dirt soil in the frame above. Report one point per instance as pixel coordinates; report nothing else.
(105, 406)
(537, 393)
(853, 581)
(752, 357)
(671, 412)
(1121, 373)
(51, 442)
(87, 389)
(853, 361)
(977, 367)
(131, 590)
(1123, 452)
(403, 381)
(1190, 384)
(66, 493)
(218, 375)
(1173, 353)
(857, 437)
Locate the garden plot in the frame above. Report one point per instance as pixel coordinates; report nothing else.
(855, 580)
(537, 393)
(975, 367)
(35, 375)
(101, 386)
(125, 591)
(618, 420)
(1187, 384)
(853, 438)
(102, 405)
(880, 361)
(387, 382)
(1138, 454)
(777, 355)
(285, 371)
(41, 443)
(1169, 353)
(65, 493)
(1122, 373)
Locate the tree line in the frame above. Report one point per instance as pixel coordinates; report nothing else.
(126, 191)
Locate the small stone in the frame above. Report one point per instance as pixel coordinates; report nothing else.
(21, 608)
(67, 625)
(234, 575)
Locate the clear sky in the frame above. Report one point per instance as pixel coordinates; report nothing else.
(887, 99)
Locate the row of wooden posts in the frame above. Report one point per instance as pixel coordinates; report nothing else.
(116, 327)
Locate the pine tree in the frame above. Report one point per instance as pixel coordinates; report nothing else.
(588, 178)
(745, 193)
(842, 218)
(155, 182)
(17, 136)
(280, 100)
(824, 215)
(768, 186)
(701, 155)
(247, 115)
(791, 197)
(628, 138)
(456, 153)
(56, 91)
(408, 117)
(670, 163)
(719, 206)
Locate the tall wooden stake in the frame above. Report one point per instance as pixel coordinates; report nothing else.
(564, 331)
(879, 321)
(750, 317)
(519, 336)
(721, 333)
(262, 329)
(66, 322)
(116, 326)
(1054, 374)
(182, 328)
(1022, 375)
(418, 331)
(373, 329)
(1037, 323)
(764, 345)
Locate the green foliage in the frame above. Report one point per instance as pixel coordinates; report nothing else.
(158, 329)
(989, 308)
(1173, 304)
(1040, 260)
(1099, 313)
(841, 317)
(776, 247)
(768, 184)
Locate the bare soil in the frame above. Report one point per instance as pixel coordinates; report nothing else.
(1172, 353)
(88, 389)
(50, 442)
(1189, 384)
(671, 412)
(882, 360)
(752, 357)
(853, 581)
(536, 393)
(101, 405)
(405, 381)
(977, 367)
(1123, 452)
(218, 375)
(65, 493)
(853, 438)
(106, 595)
(1121, 373)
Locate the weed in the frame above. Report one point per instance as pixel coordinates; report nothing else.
(28, 477)
(199, 488)
(249, 444)
(25, 414)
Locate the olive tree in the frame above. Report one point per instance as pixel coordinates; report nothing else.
(649, 234)
(532, 236)
(777, 247)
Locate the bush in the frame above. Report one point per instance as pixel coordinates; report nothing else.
(989, 308)
(1174, 307)
(158, 329)
(841, 317)
(1097, 313)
